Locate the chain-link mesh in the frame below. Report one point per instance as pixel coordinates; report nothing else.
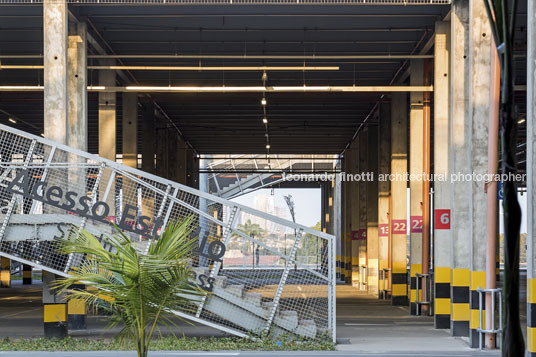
(266, 274)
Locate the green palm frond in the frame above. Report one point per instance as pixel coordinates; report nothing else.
(137, 290)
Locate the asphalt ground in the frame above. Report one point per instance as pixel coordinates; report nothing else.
(366, 326)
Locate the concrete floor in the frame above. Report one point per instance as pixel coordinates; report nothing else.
(365, 325)
(374, 326)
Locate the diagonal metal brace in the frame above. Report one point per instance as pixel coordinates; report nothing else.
(283, 281)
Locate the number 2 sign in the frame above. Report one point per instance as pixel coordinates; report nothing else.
(442, 219)
(398, 226)
(416, 224)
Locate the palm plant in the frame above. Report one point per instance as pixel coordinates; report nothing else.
(137, 290)
(251, 228)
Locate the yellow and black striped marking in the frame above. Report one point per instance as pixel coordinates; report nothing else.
(442, 298)
(55, 320)
(399, 293)
(497, 269)
(531, 317)
(338, 264)
(76, 311)
(348, 270)
(415, 269)
(459, 293)
(478, 280)
(26, 274)
(5, 272)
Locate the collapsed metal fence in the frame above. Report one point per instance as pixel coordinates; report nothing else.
(250, 261)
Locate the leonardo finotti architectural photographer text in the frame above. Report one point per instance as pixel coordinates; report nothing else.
(371, 176)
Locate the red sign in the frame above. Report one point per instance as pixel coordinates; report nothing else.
(398, 226)
(362, 234)
(416, 224)
(355, 235)
(383, 230)
(442, 219)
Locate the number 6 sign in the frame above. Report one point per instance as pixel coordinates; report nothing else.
(442, 219)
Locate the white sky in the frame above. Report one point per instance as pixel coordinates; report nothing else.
(307, 202)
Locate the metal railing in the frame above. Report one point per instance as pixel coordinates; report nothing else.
(385, 277)
(363, 278)
(481, 303)
(426, 288)
(52, 190)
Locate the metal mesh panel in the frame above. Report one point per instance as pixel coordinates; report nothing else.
(277, 279)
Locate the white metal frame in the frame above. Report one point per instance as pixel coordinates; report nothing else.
(170, 192)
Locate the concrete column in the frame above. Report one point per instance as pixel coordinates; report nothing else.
(162, 152)
(172, 151)
(26, 274)
(5, 272)
(399, 170)
(415, 184)
(531, 172)
(480, 78)
(148, 147)
(182, 162)
(337, 216)
(55, 45)
(384, 147)
(372, 210)
(441, 167)
(177, 157)
(354, 216)
(460, 162)
(76, 86)
(55, 309)
(192, 169)
(130, 129)
(55, 69)
(107, 116)
(363, 199)
(77, 128)
(346, 274)
(129, 133)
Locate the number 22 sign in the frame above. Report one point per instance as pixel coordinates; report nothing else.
(416, 224)
(398, 226)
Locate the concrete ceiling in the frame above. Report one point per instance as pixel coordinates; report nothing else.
(231, 123)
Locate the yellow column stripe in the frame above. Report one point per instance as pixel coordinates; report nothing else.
(76, 307)
(531, 291)
(399, 289)
(415, 268)
(460, 312)
(531, 339)
(478, 279)
(442, 275)
(475, 320)
(442, 306)
(460, 277)
(55, 313)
